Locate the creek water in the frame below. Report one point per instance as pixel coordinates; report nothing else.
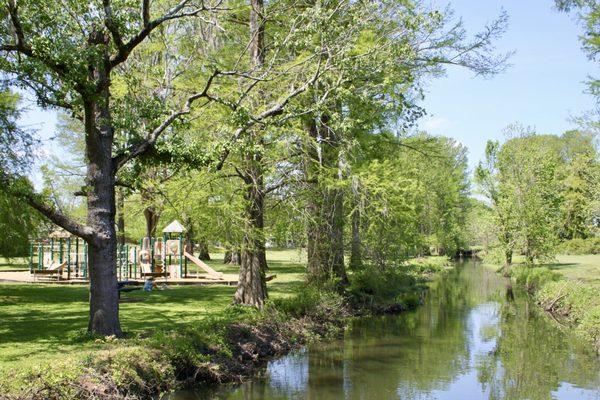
(469, 340)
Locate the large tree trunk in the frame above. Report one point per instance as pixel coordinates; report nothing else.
(152, 218)
(252, 287)
(325, 208)
(203, 252)
(102, 253)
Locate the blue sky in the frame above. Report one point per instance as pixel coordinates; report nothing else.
(543, 88)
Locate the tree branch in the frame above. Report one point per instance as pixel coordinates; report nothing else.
(125, 49)
(39, 203)
(146, 145)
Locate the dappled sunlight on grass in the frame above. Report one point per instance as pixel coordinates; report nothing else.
(39, 323)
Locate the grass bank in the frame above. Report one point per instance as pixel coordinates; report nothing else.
(178, 337)
(568, 289)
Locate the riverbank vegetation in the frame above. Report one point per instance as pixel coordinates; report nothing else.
(568, 291)
(543, 195)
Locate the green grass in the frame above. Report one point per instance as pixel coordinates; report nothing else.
(585, 268)
(13, 263)
(40, 324)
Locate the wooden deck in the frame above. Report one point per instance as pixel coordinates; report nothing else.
(200, 280)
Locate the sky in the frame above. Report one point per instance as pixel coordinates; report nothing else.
(543, 88)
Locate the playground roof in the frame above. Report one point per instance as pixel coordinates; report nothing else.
(174, 227)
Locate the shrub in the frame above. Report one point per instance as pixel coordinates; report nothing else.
(533, 278)
(316, 301)
(373, 287)
(580, 246)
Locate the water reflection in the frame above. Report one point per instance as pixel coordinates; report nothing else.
(469, 341)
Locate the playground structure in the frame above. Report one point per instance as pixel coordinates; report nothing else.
(63, 256)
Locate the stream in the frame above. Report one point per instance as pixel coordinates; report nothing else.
(467, 341)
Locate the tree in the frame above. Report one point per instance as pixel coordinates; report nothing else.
(16, 222)
(68, 55)
(487, 176)
(400, 43)
(541, 188)
(590, 16)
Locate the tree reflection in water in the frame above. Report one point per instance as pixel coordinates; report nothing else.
(470, 340)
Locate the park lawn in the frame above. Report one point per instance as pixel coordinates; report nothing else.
(584, 268)
(44, 324)
(7, 264)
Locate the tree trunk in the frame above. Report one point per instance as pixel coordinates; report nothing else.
(252, 287)
(325, 209)
(233, 257)
(203, 253)
(152, 218)
(100, 179)
(508, 255)
(189, 234)
(356, 245)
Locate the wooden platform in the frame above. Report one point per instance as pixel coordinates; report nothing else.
(200, 280)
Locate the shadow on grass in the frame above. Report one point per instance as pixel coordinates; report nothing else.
(39, 322)
(560, 265)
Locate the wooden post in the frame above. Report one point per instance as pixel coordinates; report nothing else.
(30, 257)
(128, 264)
(152, 254)
(85, 260)
(119, 260)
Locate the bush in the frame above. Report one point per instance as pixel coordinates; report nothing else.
(316, 301)
(580, 246)
(373, 287)
(533, 278)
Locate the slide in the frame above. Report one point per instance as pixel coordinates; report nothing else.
(202, 265)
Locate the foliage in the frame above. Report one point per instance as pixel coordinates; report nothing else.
(576, 303)
(541, 188)
(374, 288)
(533, 278)
(16, 143)
(18, 223)
(589, 13)
(580, 246)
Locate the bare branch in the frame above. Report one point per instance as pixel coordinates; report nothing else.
(177, 12)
